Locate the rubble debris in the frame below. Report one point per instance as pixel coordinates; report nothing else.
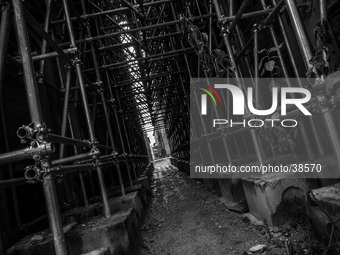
(37, 239)
(258, 248)
(196, 223)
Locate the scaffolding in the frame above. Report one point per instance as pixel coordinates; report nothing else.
(122, 69)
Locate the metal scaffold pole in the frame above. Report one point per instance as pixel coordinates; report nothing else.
(307, 54)
(87, 111)
(225, 34)
(36, 117)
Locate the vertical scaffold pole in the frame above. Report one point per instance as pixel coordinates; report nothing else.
(307, 54)
(36, 117)
(93, 140)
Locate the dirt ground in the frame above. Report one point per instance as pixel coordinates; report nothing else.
(186, 219)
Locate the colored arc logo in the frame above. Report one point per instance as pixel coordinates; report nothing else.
(209, 93)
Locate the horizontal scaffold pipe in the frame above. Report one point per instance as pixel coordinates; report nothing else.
(55, 54)
(36, 27)
(150, 77)
(108, 163)
(74, 158)
(131, 93)
(74, 168)
(66, 140)
(12, 182)
(132, 30)
(101, 158)
(128, 44)
(159, 55)
(166, 107)
(254, 14)
(103, 147)
(26, 153)
(113, 11)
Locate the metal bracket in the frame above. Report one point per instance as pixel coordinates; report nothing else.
(76, 60)
(114, 154)
(74, 55)
(4, 5)
(112, 103)
(34, 173)
(94, 152)
(40, 77)
(99, 86)
(42, 149)
(73, 50)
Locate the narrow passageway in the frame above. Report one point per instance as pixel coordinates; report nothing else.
(242, 94)
(185, 218)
